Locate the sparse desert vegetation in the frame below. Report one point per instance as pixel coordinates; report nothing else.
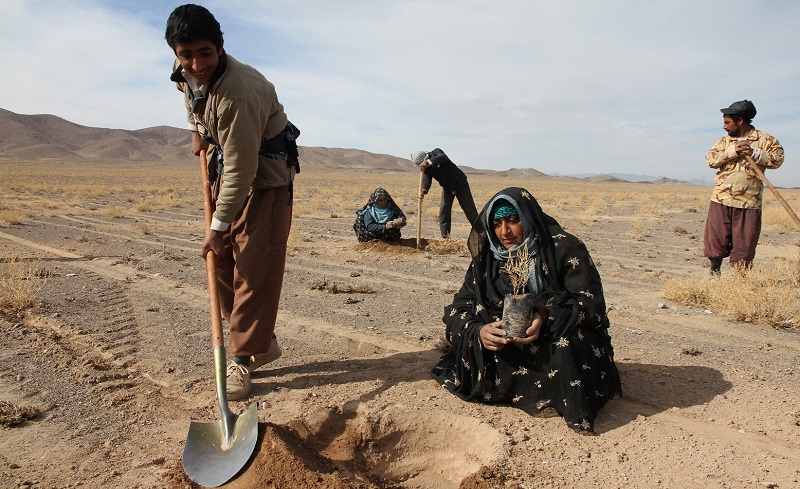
(114, 315)
(767, 294)
(20, 282)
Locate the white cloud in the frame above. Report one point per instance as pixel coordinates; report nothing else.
(568, 87)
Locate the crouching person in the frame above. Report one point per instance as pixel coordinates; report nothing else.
(380, 218)
(564, 362)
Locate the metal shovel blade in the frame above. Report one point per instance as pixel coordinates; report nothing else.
(217, 451)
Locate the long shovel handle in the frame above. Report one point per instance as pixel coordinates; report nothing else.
(211, 259)
(763, 178)
(419, 211)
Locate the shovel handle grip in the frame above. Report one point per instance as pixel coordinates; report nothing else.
(211, 259)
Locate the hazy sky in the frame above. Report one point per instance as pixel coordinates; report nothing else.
(563, 87)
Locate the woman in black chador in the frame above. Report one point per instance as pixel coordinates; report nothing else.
(380, 218)
(565, 362)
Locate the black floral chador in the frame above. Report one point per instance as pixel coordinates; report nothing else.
(570, 367)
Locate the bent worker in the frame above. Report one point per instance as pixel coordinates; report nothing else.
(234, 112)
(733, 224)
(436, 165)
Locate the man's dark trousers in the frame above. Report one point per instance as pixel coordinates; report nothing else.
(464, 196)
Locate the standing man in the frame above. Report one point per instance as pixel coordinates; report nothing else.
(233, 111)
(436, 164)
(733, 224)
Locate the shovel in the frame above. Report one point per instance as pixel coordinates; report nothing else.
(216, 451)
(419, 212)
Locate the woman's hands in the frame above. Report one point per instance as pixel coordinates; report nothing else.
(493, 338)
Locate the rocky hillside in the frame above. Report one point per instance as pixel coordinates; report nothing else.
(44, 136)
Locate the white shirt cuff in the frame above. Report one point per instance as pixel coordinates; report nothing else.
(218, 225)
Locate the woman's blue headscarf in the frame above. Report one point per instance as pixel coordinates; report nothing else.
(379, 215)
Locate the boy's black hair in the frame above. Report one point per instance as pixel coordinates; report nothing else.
(189, 23)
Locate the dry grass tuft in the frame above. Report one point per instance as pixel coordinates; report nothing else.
(777, 217)
(143, 207)
(10, 216)
(767, 295)
(20, 281)
(12, 415)
(115, 212)
(340, 288)
(448, 247)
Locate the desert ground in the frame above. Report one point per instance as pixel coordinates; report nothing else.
(113, 359)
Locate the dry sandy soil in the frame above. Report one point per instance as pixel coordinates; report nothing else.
(116, 355)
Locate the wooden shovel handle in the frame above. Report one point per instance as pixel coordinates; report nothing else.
(763, 178)
(419, 211)
(211, 259)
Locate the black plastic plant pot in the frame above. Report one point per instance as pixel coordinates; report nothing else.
(517, 315)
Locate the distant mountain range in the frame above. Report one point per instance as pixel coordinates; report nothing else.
(48, 137)
(631, 177)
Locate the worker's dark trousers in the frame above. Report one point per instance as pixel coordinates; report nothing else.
(464, 196)
(732, 232)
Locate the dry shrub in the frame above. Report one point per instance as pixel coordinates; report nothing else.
(595, 207)
(20, 281)
(763, 294)
(167, 200)
(340, 288)
(343, 205)
(689, 290)
(12, 415)
(49, 204)
(316, 204)
(777, 217)
(448, 247)
(10, 217)
(115, 212)
(143, 207)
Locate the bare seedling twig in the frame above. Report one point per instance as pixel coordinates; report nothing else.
(518, 268)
